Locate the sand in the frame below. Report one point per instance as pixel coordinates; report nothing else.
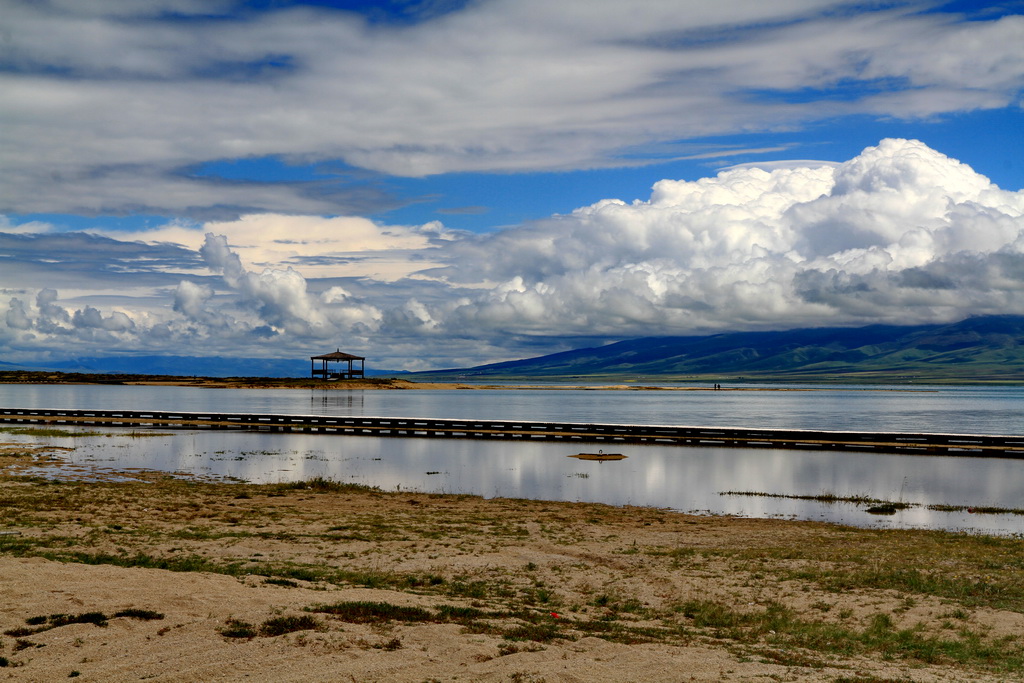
(377, 383)
(554, 591)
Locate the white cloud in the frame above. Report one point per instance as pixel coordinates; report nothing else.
(17, 315)
(319, 246)
(898, 234)
(281, 298)
(192, 301)
(895, 234)
(107, 109)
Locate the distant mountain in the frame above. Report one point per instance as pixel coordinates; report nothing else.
(980, 349)
(183, 366)
(989, 349)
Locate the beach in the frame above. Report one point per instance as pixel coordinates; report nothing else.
(369, 383)
(318, 581)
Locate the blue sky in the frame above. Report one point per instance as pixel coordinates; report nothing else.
(466, 182)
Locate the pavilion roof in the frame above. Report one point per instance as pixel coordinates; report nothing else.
(337, 355)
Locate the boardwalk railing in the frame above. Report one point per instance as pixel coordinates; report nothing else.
(512, 430)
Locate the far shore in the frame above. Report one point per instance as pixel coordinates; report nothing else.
(404, 384)
(400, 384)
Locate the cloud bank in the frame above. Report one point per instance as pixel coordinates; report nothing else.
(898, 234)
(114, 108)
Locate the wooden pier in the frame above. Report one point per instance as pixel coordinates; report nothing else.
(525, 430)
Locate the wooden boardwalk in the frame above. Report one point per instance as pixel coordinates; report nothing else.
(514, 430)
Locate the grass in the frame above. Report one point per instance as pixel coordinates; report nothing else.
(880, 506)
(823, 497)
(780, 626)
(774, 592)
(323, 485)
(45, 623)
(141, 614)
(279, 626)
(236, 628)
(287, 583)
(970, 591)
(532, 626)
(278, 573)
(51, 432)
(977, 509)
(373, 612)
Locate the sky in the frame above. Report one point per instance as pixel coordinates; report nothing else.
(445, 183)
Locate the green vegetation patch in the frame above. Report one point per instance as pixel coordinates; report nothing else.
(141, 614)
(537, 632)
(41, 623)
(532, 626)
(45, 623)
(970, 590)
(780, 626)
(236, 628)
(323, 485)
(374, 612)
(279, 626)
(45, 432)
(280, 573)
(880, 506)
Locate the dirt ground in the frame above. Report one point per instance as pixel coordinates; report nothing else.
(154, 578)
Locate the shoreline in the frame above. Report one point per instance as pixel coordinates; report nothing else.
(320, 580)
(399, 384)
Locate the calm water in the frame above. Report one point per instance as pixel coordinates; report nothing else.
(687, 479)
(973, 410)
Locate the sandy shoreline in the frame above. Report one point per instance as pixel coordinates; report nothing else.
(407, 385)
(400, 384)
(505, 590)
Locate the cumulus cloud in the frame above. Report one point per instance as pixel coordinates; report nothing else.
(50, 318)
(17, 316)
(896, 234)
(111, 107)
(192, 301)
(280, 297)
(91, 318)
(899, 234)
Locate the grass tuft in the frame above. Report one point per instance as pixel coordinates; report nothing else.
(781, 626)
(280, 625)
(236, 628)
(323, 485)
(142, 614)
(45, 623)
(540, 633)
(361, 612)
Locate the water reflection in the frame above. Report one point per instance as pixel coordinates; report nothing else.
(971, 410)
(686, 479)
(337, 403)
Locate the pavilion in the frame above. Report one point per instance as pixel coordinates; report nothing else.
(336, 357)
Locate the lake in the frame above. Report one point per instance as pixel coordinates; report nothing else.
(680, 478)
(971, 410)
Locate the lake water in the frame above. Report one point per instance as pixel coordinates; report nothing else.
(972, 410)
(680, 478)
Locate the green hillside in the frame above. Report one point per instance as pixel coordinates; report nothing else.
(983, 349)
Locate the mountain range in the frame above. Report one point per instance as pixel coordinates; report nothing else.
(979, 349)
